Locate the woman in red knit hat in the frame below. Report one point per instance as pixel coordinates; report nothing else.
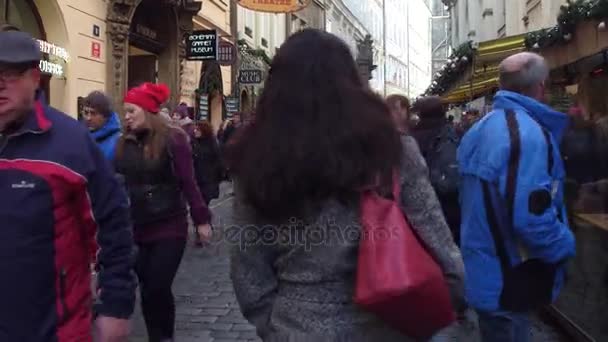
(156, 160)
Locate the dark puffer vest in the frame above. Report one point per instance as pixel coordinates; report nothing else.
(153, 187)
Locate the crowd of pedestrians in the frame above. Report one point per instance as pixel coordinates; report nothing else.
(320, 154)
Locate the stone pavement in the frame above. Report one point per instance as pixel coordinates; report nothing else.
(206, 306)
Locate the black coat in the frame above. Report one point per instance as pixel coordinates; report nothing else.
(207, 166)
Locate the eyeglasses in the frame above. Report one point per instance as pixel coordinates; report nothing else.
(11, 75)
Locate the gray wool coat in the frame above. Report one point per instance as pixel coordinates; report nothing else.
(295, 286)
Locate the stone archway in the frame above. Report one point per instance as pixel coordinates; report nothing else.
(120, 15)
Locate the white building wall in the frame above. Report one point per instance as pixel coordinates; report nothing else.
(259, 27)
(419, 43)
(482, 20)
(369, 14)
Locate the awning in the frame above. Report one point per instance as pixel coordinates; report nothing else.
(499, 49)
(484, 78)
(488, 56)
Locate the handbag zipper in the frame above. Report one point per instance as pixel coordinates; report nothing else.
(62, 293)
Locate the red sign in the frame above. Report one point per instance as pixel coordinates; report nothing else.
(95, 50)
(226, 53)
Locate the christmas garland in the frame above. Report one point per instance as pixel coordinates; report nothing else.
(571, 15)
(458, 62)
(258, 53)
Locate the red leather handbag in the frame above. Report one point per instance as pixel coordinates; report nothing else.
(397, 279)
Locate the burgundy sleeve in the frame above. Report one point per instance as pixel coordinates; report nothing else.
(184, 169)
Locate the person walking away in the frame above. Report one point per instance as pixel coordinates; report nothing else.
(103, 122)
(399, 106)
(207, 164)
(60, 206)
(438, 142)
(515, 234)
(155, 159)
(300, 171)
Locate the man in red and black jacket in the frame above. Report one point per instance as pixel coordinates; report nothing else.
(61, 209)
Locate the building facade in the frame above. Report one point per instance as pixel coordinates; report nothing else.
(342, 23)
(370, 15)
(396, 47)
(491, 19)
(260, 35)
(209, 78)
(104, 45)
(419, 46)
(312, 16)
(441, 41)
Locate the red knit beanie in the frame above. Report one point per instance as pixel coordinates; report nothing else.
(148, 96)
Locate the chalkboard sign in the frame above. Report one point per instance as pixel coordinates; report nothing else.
(232, 106)
(250, 76)
(203, 107)
(201, 45)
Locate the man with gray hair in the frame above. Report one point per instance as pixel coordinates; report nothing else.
(515, 237)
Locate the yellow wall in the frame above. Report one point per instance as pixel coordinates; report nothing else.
(69, 24)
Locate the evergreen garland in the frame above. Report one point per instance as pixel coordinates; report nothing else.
(258, 53)
(571, 15)
(458, 62)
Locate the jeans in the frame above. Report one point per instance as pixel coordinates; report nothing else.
(502, 326)
(157, 264)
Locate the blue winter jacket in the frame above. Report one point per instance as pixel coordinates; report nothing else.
(107, 136)
(484, 156)
(61, 208)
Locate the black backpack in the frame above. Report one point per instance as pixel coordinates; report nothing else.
(441, 158)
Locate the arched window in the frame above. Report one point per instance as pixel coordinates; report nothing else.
(22, 14)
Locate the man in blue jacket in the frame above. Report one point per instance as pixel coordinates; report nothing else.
(61, 209)
(103, 123)
(515, 235)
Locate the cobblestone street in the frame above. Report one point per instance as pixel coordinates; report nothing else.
(206, 306)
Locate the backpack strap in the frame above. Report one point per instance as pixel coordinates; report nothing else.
(491, 195)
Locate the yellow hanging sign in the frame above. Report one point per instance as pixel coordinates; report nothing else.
(274, 6)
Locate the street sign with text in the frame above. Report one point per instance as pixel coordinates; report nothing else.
(250, 76)
(201, 45)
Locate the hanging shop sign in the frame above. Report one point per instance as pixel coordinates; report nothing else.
(54, 60)
(250, 76)
(232, 106)
(201, 45)
(226, 53)
(274, 6)
(203, 107)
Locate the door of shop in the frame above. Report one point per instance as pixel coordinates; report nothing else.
(142, 68)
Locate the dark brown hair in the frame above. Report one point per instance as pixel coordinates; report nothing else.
(393, 100)
(205, 128)
(430, 107)
(319, 132)
(100, 102)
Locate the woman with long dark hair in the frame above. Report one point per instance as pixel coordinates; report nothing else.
(155, 159)
(320, 137)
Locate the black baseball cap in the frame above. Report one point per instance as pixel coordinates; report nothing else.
(19, 48)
